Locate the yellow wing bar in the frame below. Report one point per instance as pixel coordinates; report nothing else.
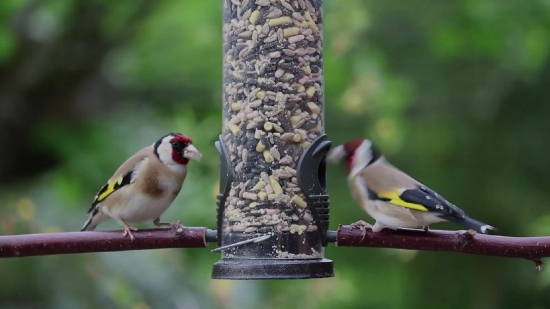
(394, 197)
(110, 189)
(112, 186)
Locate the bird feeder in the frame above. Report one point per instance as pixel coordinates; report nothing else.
(273, 208)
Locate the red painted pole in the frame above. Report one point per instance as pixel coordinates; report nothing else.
(532, 248)
(101, 241)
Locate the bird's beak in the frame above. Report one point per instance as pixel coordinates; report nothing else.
(191, 152)
(336, 155)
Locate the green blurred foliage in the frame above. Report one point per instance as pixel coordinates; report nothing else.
(453, 91)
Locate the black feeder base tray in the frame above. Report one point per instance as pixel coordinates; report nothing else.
(254, 269)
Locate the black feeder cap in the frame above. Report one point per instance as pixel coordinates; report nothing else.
(249, 269)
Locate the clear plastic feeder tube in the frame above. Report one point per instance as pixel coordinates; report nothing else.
(273, 143)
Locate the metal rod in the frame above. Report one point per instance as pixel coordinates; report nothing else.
(101, 241)
(244, 242)
(331, 236)
(211, 235)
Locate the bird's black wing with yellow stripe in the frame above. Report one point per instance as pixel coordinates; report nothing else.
(421, 199)
(109, 188)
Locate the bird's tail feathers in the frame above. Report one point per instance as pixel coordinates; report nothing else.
(470, 223)
(94, 219)
(88, 226)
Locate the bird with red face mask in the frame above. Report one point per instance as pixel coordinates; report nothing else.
(393, 198)
(145, 185)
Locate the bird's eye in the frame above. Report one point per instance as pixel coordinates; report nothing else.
(178, 145)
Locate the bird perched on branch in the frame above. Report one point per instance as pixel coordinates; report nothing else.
(145, 185)
(393, 198)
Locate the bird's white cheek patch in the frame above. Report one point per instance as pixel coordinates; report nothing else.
(360, 159)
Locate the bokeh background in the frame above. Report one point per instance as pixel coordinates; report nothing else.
(454, 92)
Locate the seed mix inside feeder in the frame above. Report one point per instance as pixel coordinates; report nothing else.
(272, 206)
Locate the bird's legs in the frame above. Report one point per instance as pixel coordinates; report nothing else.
(128, 231)
(157, 223)
(362, 225)
(426, 228)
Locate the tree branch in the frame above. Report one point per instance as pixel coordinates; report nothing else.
(531, 248)
(84, 242)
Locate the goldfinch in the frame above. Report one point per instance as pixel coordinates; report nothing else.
(391, 197)
(145, 185)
